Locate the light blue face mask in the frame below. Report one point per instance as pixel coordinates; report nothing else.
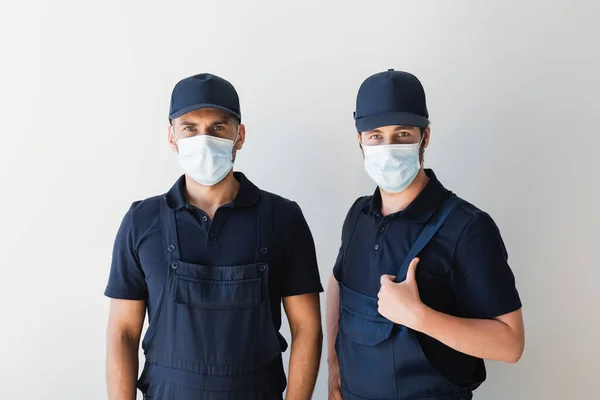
(206, 159)
(394, 166)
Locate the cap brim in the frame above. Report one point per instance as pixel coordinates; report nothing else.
(191, 108)
(370, 122)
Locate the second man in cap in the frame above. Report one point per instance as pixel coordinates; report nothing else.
(421, 292)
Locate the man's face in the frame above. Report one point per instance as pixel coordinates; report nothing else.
(395, 134)
(207, 121)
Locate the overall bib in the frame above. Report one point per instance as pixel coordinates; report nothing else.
(380, 360)
(213, 337)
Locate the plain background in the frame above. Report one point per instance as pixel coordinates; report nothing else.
(513, 93)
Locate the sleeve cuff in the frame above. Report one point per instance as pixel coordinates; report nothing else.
(499, 310)
(118, 294)
(299, 291)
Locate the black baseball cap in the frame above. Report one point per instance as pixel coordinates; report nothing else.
(391, 98)
(204, 91)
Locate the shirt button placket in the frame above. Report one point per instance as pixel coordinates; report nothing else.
(376, 251)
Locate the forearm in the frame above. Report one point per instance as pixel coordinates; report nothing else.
(121, 367)
(332, 317)
(489, 339)
(304, 362)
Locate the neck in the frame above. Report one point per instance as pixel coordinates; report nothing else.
(210, 198)
(395, 202)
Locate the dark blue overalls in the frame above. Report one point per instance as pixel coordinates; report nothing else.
(212, 337)
(381, 360)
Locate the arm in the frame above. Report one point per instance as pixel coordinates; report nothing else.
(332, 317)
(304, 315)
(499, 339)
(300, 289)
(485, 291)
(125, 323)
(333, 308)
(128, 292)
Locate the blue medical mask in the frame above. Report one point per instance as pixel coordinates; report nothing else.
(206, 159)
(394, 166)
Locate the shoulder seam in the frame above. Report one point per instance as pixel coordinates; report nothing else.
(155, 217)
(467, 224)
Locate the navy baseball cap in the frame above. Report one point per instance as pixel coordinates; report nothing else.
(204, 91)
(390, 98)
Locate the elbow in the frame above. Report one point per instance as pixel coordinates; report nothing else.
(308, 341)
(121, 336)
(319, 335)
(513, 358)
(312, 333)
(332, 285)
(516, 352)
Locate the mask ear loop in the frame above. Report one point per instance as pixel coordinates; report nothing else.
(234, 143)
(422, 162)
(175, 140)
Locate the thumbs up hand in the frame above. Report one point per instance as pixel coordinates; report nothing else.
(400, 302)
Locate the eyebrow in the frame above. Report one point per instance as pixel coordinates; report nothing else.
(398, 128)
(190, 123)
(221, 122)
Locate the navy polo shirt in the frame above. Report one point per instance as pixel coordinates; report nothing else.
(139, 269)
(463, 270)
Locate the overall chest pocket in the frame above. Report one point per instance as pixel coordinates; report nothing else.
(366, 356)
(217, 294)
(364, 329)
(359, 319)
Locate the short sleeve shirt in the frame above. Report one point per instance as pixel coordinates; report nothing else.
(463, 271)
(139, 268)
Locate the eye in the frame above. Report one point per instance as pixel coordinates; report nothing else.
(375, 136)
(218, 127)
(403, 134)
(188, 128)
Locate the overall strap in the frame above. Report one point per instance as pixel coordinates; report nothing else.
(433, 225)
(169, 231)
(264, 223)
(348, 231)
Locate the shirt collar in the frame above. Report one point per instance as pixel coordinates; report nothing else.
(422, 207)
(248, 193)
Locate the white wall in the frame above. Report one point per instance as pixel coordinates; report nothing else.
(513, 93)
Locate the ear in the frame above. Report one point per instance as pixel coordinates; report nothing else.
(358, 137)
(171, 139)
(241, 138)
(426, 136)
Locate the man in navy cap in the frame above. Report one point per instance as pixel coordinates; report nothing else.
(210, 261)
(421, 292)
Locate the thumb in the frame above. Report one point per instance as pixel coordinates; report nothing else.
(387, 280)
(412, 268)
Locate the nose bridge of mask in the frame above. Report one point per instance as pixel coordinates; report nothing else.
(393, 148)
(207, 139)
(408, 146)
(390, 150)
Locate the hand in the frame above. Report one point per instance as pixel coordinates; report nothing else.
(400, 302)
(334, 385)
